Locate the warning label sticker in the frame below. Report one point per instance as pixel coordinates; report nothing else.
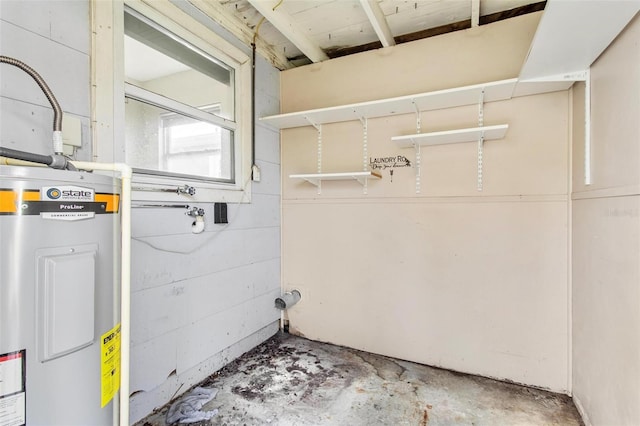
(13, 389)
(12, 410)
(110, 364)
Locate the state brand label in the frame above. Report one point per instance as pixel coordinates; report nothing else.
(13, 393)
(110, 364)
(66, 193)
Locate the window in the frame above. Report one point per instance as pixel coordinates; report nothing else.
(191, 146)
(160, 141)
(184, 120)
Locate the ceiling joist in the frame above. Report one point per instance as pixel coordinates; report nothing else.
(302, 29)
(283, 23)
(232, 23)
(378, 22)
(475, 13)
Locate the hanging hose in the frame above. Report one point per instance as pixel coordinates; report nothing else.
(253, 110)
(58, 160)
(57, 111)
(255, 170)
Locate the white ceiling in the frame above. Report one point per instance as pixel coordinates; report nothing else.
(335, 25)
(297, 32)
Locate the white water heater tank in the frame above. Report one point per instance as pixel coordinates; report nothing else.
(59, 272)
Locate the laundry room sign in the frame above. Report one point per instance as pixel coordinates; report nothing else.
(382, 163)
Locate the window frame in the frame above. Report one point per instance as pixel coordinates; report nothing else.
(110, 91)
(141, 95)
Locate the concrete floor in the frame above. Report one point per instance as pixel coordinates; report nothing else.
(293, 381)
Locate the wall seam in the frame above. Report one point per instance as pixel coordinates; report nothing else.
(570, 247)
(581, 411)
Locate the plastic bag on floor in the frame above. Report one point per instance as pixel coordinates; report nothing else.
(187, 408)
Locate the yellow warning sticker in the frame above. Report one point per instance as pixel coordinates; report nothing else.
(110, 364)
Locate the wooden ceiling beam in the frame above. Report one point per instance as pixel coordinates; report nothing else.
(283, 23)
(512, 13)
(475, 13)
(228, 20)
(444, 29)
(379, 22)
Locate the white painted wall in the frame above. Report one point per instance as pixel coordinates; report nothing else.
(194, 311)
(54, 39)
(184, 304)
(471, 281)
(606, 240)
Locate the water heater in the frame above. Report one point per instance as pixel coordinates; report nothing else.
(59, 269)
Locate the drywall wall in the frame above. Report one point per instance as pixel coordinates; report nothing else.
(606, 240)
(54, 39)
(467, 280)
(199, 301)
(455, 59)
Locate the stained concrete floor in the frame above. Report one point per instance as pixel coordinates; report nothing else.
(293, 381)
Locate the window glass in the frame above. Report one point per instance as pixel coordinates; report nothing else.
(179, 108)
(169, 142)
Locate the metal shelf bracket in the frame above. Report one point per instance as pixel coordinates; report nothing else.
(365, 154)
(418, 148)
(319, 151)
(480, 139)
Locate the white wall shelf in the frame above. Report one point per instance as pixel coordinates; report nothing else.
(452, 136)
(565, 41)
(316, 178)
(477, 94)
(428, 101)
(565, 46)
(459, 96)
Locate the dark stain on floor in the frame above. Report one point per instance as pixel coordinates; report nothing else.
(290, 380)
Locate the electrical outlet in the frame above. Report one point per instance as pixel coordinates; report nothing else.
(220, 213)
(255, 173)
(71, 130)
